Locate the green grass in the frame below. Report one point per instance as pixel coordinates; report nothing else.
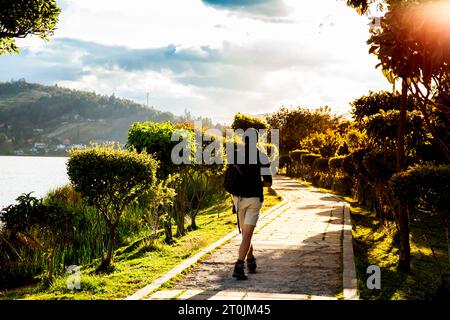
(137, 264)
(374, 244)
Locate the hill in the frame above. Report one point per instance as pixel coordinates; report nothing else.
(39, 119)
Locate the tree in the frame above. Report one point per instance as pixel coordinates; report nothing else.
(297, 123)
(412, 45)
(244, 122)
(156, 139)
(21, 18)
(110, 179)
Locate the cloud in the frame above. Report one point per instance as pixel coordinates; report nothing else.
(274, 11)
(214, 59)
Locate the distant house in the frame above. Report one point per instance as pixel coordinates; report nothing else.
(40, 145)
(19, 152)
(60, 147)
(76, 146)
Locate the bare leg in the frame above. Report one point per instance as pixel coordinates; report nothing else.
(247, 233)
(250, 255)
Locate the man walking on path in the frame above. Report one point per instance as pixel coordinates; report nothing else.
(247, 180)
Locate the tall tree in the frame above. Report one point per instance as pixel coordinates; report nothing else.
(21, 18)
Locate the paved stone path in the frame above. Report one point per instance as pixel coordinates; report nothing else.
(298, 248)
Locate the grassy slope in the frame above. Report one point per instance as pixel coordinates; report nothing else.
(375, 246)
(136, 265)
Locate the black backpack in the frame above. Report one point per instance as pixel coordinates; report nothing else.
(233, 182)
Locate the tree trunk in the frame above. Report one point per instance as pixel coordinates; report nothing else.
(168, 231)
(51, 266)
(403, 220)
(193, 222)
(111, 242)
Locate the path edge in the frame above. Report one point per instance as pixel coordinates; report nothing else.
(156, 284)
(349, 280)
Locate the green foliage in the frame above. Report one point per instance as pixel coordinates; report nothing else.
(382, 128)
(325, 144)
(295, 124)
(308, 159)
(375, 102)
(296, 155)
(413, 44)
(343, 149)
(321, 164)
(156, 204)
(285, 161)
(155, 139)
(425, 186)
(19, 19)
(110, 179)
(379, 166)
(336, 163)
(244, 122)
(48, 226)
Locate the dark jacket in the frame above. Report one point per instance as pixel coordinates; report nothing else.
(252, 178)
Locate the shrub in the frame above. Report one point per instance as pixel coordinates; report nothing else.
(296, 155)
(347, 165)
(343, 185)
(285, 161)
(308, 159)
(425, 186)
(320, 164)
(110, 179)
(336, 163)
(155, 139)
(49, 227)
(244, 122)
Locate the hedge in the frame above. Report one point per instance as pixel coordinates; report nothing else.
(308, 159)
(297, 154)
(423, 184)
(321, 164)
(336, 163)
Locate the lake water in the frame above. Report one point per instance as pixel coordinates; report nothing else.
(25, 174)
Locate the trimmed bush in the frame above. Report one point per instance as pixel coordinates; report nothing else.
(110, 179)
(155, 139)
(285, 161)
(336, 163)
(244, 122)
(347, 165)
(296, 155)
(321, 164)
(426, 185)
(308, 159)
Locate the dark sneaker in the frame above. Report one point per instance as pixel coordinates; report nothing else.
(251, 265)
(239, 272)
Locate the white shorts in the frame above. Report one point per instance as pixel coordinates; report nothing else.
(248, 210)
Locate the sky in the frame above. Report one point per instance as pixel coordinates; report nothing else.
(212, 57)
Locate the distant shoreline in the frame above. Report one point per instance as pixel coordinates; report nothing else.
(33, 156)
